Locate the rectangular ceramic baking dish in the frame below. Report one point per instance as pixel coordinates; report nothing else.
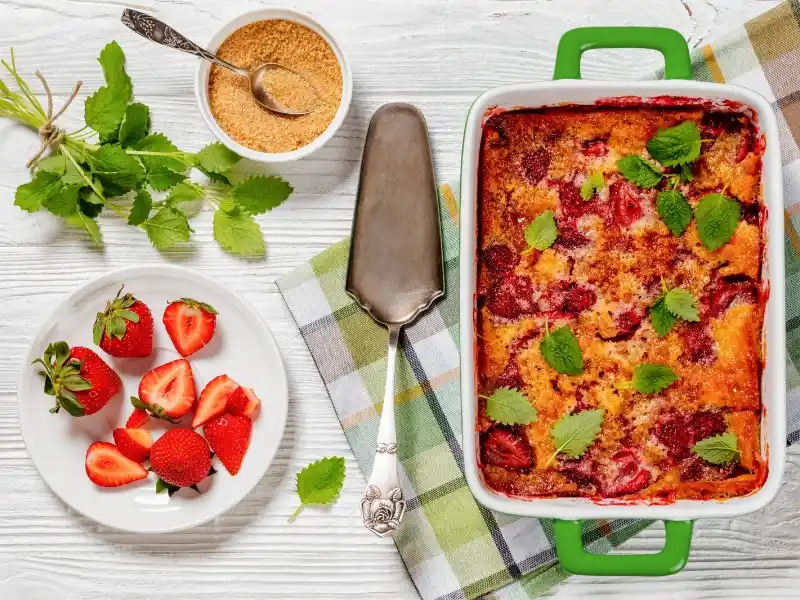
(569, 89)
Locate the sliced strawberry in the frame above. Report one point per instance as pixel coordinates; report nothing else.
(629, 477)
(243, 402)
(133, 443)
(511, 297)
(125, 328)
(181, 458)
(535, 164)
(190, 324)
(169, 387)
(78, 379)
(138, 418)
(213, 399)
(503, 447)
(106, 466)
(725, 291)
(500, 258)
(699, 346)
(229, 437)
(626, 200)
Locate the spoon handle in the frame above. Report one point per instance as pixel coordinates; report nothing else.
(161, 33)
(382, 505)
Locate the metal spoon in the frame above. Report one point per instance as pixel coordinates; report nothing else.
(161, 33)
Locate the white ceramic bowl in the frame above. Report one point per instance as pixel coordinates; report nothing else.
(204, 69)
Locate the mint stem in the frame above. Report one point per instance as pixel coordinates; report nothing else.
(297, 512)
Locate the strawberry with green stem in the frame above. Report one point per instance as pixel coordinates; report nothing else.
(125, 328)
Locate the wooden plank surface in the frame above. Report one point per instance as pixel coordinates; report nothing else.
(438, 54)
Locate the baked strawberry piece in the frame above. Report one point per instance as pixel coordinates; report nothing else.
(229, 437)
(169, 389)
(213, 399)
(504, 447)
(78, 379)
(133, 443)
(190, 324)
(106, 466)
(180, 458)
(243, 402)
(125, 328)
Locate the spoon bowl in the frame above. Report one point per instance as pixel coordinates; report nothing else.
(266, 99)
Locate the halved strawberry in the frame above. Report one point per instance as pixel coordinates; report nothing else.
(504, 447)
(78, 379)
(138, 418)
(106, 466)
(190, 324)
(133, 443)
(180, 458)
(169, 387)
(229, 437)
(125, 328)
(213, 399)
(243, 402)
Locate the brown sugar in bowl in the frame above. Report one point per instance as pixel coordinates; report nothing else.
(296, 41)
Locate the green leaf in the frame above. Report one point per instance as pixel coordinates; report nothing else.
(562, 352)
(185, 191)
(158, 142)
(60, 353)
(56, 164)
(115, 166)
(161, 486)
(217, 177)
(167, 228)
(719, 449)
(78, 219)
(31, 195)
(592, 185)
(112, 59)
(68, 400)
(639, 172)
(134, 125)
(651, 378)
(73, 176)
(238, 233)
(142, 205)
(677, 145)
(686, 173)
(510, 406)
(88, 208)
(320, 482)
(674, 210)
(217, 158)
(572, 434)
(542, 231)
(259, 194)
(682, 303)
(76, 383)
(105, 109)
(63, 202)
(661, 318)
(161, 178)
(717, 217)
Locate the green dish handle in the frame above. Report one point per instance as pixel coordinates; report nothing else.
(576, 560)
(669, 42)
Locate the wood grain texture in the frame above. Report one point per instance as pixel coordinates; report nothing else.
(438, 54)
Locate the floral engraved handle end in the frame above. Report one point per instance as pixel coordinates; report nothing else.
(381, 515)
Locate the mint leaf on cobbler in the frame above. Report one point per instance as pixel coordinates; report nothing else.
(719, 449)
(542, 231)
(686, 173)
(717, 217)
(638, 171)
(573, 434)
(674, 210)
(592, 185)
(682, 303)
(510, 407)
(651, 378)
(561, 351)
(677, 145)
(661, 318)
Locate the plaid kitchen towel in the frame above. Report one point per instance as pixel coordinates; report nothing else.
(452, 547)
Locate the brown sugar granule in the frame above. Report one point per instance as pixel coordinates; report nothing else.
(289, 44)
(290, 89)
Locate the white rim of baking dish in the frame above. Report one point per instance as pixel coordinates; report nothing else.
(204, 70)
(773, 385)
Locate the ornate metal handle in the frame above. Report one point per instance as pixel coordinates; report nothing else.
(382, 506)
(161, 33)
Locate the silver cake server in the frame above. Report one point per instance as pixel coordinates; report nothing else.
(395, 270)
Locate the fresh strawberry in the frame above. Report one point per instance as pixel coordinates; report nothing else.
(79, 379)
(504, 447)
(125, 328)
(138, 418)
(213, 399)
(133, 443)
(180, 458)
(229, 437)
(106, 466)
(190, 324)
(169, 389)
(243, 402)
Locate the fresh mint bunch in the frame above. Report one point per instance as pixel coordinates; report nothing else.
(116, 162)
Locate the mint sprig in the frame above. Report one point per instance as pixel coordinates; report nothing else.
(651, 378)
(671, 305)
(542, 232)
(510, 407)
(319, 483)
(717, 217)
(561, 351)
(572, 434)
(719, 449)
(638, 171)
(677, 145)
(592, 185)
(674, 210)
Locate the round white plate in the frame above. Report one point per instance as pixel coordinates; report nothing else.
(242, 348)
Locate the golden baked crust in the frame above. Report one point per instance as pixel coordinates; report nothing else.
(600, 278)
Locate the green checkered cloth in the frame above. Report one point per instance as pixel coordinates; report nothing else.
(452, 547)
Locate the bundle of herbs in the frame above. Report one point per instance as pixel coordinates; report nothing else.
(116, 162)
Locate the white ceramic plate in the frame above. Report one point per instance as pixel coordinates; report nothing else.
(242, 348)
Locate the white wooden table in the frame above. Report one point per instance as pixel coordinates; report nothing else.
(438, 54)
